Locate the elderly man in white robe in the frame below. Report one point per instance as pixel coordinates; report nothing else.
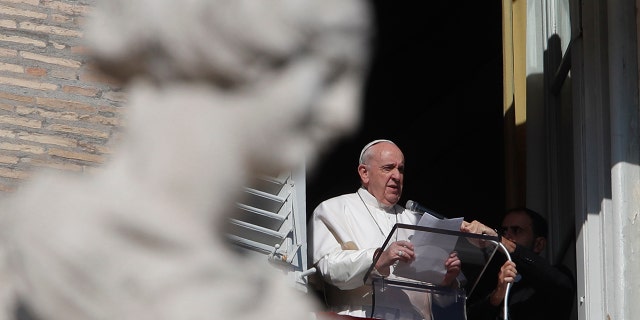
(348, 230)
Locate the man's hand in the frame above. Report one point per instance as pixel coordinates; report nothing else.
(452, 265)
(397, 251)
(506, 275)
(477, 227)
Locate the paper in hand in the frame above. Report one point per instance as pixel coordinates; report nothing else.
(432, 250)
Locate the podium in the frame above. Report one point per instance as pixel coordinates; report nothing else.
(414, 291)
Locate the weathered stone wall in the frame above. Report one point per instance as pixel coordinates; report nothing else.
(56, 111)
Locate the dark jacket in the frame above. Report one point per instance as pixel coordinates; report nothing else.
(543, 291)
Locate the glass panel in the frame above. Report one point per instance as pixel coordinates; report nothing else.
(414, 291)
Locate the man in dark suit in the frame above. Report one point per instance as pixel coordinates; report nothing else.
(540, 290)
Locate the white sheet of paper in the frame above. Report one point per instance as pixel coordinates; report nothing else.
(432, 249)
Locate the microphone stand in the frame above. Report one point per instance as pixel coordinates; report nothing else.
(505, 310)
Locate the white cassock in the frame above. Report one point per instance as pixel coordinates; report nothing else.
(346, 230)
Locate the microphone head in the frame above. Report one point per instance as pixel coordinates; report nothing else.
(411, 205)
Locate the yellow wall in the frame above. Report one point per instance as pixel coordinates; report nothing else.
(514, 23)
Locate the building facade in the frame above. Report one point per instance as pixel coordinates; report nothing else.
(571, 120)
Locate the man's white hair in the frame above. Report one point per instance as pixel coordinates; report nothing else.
(369, 145)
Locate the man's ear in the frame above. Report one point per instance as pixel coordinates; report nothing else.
(364, 173)
(539, 244)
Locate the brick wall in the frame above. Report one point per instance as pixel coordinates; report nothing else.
(56, 111)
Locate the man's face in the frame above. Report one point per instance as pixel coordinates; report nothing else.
(518, 227)
(383, 176)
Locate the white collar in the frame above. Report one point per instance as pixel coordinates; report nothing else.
(369, 199)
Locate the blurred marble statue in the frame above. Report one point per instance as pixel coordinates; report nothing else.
(218, 92)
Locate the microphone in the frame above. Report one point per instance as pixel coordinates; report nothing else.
(416, 207)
